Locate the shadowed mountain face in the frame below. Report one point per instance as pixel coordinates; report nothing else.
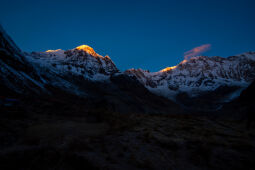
(247, 103)
(17, 76)
(247, 96)
(243, 107)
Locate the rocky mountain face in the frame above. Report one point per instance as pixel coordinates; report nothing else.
(72, 70)
(201, 78)
(76, 73)
(200, 74)
(80, 61)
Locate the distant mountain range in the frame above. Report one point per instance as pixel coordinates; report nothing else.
(200, 81)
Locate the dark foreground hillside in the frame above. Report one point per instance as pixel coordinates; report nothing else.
(49, 134)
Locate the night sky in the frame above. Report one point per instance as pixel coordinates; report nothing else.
(135, 33)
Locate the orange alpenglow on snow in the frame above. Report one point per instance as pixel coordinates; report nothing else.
(51, 51)
(87, 49)
(168, 69)
(184, 61)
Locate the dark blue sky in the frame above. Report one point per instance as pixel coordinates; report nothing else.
(135, 33)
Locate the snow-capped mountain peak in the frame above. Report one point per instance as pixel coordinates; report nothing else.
(80, 61)
(87, 49)
(199, 74)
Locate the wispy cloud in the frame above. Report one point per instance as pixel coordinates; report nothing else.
(197, 51)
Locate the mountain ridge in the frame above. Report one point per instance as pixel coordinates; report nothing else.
(200, 73)
(77, 70)
(60, 76)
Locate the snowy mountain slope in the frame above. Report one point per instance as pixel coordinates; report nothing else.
(80, 61)
(71, 70)
(199, 74)
(83, 72)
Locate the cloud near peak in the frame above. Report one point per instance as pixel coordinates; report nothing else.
(197, 51)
